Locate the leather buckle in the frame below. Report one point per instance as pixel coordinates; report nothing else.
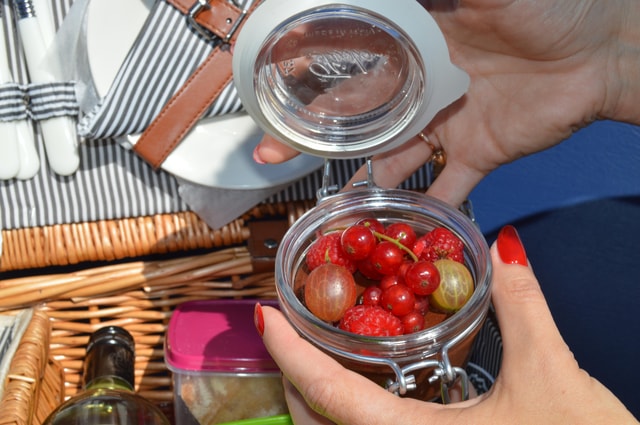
(201, 5)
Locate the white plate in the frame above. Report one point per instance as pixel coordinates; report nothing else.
(218, 151)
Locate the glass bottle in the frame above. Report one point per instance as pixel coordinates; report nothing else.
(108, 396)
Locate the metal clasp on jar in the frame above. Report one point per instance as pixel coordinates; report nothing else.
(328, 187)
(405, 380)
(444, 371)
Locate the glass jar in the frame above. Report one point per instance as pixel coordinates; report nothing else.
(410, 364)
(344, 79)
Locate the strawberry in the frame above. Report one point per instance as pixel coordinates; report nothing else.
(328, 249)
(371, 321)
(440, 243)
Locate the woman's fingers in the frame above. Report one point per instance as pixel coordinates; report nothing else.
(271, 151)
(537, 364)
(392, 168)
(454, 183)
(325, 385)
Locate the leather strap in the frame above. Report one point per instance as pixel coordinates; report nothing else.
(187, 105)
(266, 237)
(219, 17)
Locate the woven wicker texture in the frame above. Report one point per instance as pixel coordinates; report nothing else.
(69, 244)
(141, 296)
(35, 382)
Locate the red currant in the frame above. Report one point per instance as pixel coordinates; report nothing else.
(389, 280)
(398, 299)
(371, 295)
(367, 269)
(372, 223)
(402, 270)
(422, 277)
(401, 232)
(386, 258)
(413, 322)
(358, 242)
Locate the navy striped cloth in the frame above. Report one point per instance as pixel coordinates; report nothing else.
(156, 67)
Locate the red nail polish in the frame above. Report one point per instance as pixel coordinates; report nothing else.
(510, 246)
(258, 318)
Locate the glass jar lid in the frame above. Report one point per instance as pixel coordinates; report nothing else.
(344, 79)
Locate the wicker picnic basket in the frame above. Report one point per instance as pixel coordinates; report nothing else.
(108, 240)
(99, 279)
(35, 382)
(138, 289)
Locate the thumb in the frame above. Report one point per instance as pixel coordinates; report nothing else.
(327, 387)
(530, 336)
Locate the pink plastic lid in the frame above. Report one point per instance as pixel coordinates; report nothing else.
(217, 336)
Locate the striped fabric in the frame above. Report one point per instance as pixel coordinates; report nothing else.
(37, 101)
(12, 103)
(112, 182)
(156, 67)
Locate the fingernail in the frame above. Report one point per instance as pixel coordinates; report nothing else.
(510, 246)
(258, 318)
(256, 155)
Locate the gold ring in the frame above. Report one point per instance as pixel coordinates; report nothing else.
(438, 156)
(425, 139)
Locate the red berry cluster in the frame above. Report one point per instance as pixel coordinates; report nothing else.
(399, 271)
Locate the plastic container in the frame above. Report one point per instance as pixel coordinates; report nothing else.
(221, 370)
(420, 364)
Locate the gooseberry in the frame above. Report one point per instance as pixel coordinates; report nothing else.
(329, 291)
(456, 286)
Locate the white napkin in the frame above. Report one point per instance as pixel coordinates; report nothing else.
(217, 207)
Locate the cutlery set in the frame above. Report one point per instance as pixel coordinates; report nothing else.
(18, 154)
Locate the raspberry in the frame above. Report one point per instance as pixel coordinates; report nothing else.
(371, 321)
(328, 249)
(440, 243)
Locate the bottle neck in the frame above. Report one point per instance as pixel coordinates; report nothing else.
(109, 364)
(109, 383)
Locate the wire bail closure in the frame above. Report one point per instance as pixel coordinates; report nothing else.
(404, 378)
(443, 371)
(328, 188)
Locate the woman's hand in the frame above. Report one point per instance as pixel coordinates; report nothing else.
(539, 71)
(539, 382)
